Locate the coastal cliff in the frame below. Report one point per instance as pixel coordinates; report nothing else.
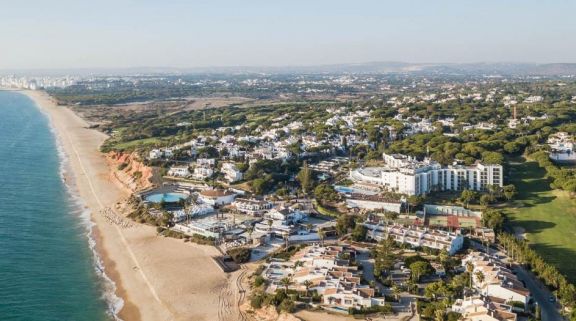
(129, 171)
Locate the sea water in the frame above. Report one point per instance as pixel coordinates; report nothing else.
(48, 271)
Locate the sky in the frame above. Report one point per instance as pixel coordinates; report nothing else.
(60, 34)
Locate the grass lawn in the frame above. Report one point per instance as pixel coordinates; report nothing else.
(137, 143)
(548, 216)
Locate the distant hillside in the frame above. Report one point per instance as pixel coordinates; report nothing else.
(553, 69)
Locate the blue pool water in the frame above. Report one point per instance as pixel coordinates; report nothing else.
(350, 190)
(343, 189)
(166, 197)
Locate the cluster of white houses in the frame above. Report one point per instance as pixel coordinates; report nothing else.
(480, 308)
(205, 168)
(406, 175)
(330, 273)
(497, 280)
(562, 148)
(416, 236)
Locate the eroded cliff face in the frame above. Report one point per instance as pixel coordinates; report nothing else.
(129, 171)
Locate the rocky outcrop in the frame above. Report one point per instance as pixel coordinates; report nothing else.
(129, 171)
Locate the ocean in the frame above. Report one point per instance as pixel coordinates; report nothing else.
(48, 271)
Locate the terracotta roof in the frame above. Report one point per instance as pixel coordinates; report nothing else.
(215, 193)
(330, 291)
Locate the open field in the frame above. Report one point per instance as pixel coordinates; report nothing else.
(548, 216)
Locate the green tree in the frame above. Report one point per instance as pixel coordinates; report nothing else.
(493, 219)
(510, 192)
(419, 269)
(307, 284)
(485, 199)
(286, 282)
(321, 236)
(326, 192)
(359, 233)
(492, 158)
(344, 223)
(305, 178)
(479, 277)
(467, 196)
(470, 269)
(384, 256)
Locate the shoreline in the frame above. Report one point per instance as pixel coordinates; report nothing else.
(157, 278)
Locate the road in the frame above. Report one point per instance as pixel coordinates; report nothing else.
(540, 293)
(363, 257)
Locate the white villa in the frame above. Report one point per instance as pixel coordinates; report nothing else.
(179, 171)
(562, 148)
(202, 173)
(405, 175)
(252, 207)
(231, 173)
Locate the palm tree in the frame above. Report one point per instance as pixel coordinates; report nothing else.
(321, 235)
(307, 284)
(396, 291)
(250, 230)
(470, 269)
(270, 222)
(286, 282)
(286, 237)
(480, 277)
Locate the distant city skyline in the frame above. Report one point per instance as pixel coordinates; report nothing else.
(67, 34)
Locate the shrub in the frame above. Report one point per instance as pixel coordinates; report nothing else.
(256, 301)
(240, 254)
(287, 305)
(259, 281)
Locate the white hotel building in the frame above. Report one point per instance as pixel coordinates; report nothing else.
(405, 175)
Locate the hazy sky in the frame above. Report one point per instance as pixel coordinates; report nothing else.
(190, 33)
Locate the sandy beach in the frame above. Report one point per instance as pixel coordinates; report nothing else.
(158, 278)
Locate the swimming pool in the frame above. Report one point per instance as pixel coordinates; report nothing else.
(166, 197)
(351, 190)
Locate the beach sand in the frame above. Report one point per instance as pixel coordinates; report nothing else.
(158, 278)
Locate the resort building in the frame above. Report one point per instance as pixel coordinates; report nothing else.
(252, 206)
(416, 236)
(406, 175)
(216, 197)
(200, 210)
